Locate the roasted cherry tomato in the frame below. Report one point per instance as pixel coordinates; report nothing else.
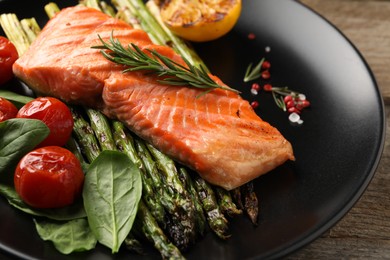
(8, 55)
(55, 114)
(49, 177)
(7, 109)
(200, 21)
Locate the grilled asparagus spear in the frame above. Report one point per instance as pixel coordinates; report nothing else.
(216, 220)
(189, 185)
(226, 203)
(181, 224)
(251, 204)
(125, 143)
(145, 225)
(85, 136)
(101, 128)
(144, 217)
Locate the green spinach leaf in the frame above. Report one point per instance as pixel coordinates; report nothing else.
(18, 136)
(17, 99)
(67, 237)
(74, 211)
(112, 191)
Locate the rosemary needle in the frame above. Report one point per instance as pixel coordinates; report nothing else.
(171, 72)
(253, 73)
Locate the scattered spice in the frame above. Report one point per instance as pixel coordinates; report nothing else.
(254, 104)
(255, 88)
(251, 36)
(266, 74)
(294, 118)
(288, 100)
(267, 87)
(266, 65)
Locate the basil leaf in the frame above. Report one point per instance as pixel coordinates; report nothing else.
(17, 99)
(74, 211)
(18, 137)
(67, 237)
(111, 193)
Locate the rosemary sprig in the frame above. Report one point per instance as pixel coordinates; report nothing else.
(279, 101)
(253, 73)
(170, 72)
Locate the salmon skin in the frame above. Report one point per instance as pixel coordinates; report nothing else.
(217, 134)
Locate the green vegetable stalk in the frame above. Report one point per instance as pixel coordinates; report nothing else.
(125, 143)
(101, 127)
(85, 136)
(189, 185)
(180, 226)
(226, 203)
(146, 226)
(14, 32)
(251, 204)
(185, 210)
(217, 221)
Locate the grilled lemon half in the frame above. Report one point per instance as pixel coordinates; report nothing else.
(200, 20)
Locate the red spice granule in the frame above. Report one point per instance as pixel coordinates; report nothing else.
(305, 103)
(251, 36)
(266, 74)
(267, 87)
(256, 86)
(294, 110)
(288, 98)
(290, 103)
(254, 104)
(266, 65)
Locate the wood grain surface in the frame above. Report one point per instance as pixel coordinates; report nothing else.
(364, 233)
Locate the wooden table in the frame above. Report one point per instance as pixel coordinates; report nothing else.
(364, 233)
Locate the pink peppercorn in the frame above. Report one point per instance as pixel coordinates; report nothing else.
(254, 104)
(251, 36)
(287, 98)
(265, 74)
(290, 103)
(256, 86)
(266, 65)
(305, 103)
(294, 110)
(267, 87)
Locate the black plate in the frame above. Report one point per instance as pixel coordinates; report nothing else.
(337, 148)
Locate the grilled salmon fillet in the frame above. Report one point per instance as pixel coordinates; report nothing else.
(217, 134)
